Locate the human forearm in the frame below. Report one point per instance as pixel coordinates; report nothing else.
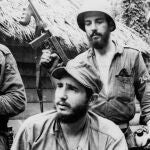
(12, 103)
(145, 104)
(142, 88)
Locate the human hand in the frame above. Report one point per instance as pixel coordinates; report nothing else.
(49, 60)
(142, 137)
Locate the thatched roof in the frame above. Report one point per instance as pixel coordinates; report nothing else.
(10, 12)
(60, 16)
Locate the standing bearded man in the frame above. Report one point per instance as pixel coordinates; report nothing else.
(122, 70)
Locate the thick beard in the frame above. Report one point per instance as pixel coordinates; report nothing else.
(100, 44)
(77, 114)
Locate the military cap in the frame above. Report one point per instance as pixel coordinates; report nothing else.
(84, 73)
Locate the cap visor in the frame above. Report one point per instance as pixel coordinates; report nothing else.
(58, 73)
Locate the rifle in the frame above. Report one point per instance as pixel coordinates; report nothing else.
(45, 39)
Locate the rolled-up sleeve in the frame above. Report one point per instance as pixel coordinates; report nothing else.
(12, 91)
(142, 88)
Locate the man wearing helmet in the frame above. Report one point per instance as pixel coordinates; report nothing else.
(121, 68)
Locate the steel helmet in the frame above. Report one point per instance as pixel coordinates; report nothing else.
(95, 5)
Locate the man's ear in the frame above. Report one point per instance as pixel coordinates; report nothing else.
(93, 99)
(111, 26)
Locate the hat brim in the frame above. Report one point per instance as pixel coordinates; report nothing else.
(58, 73)
(61, 72)
(80, 20)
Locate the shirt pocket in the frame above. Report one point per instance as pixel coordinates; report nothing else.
(124, 86)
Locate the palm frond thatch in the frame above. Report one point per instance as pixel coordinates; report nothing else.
(60, 17)
(10, 12)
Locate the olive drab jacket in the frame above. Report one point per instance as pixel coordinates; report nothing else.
(12, 91)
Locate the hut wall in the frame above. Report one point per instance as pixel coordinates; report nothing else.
(25, 57)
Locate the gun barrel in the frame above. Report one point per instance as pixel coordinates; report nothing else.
(59, 50)
(35, 12)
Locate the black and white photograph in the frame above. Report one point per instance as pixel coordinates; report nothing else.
(74, 74)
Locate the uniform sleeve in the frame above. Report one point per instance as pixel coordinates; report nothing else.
(142, 88)
(22, 138)
(12, 91)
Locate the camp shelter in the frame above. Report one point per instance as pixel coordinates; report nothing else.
(17, 38)
(60, 18)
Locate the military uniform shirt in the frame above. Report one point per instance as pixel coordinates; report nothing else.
(43, 132)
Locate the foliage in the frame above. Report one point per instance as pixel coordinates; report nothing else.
(134, 16)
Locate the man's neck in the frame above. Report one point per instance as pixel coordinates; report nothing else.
(103, 61)
(73, 128)
(73, 132)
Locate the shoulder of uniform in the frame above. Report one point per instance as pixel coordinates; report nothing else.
(34, 124)
(79, 58)
(4, 49)
(43, 117)
(109, 128)
(132, 47)
(106, 127)
(83, 54)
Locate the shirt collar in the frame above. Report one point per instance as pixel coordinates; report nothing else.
(57, 131)
(119, 48)
(85, 135)
(55, 128)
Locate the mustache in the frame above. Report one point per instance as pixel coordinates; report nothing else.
(64, 104)
(95, 33)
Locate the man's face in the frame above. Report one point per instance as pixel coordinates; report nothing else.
(97, 29)
(26, 16)
(70, 100)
